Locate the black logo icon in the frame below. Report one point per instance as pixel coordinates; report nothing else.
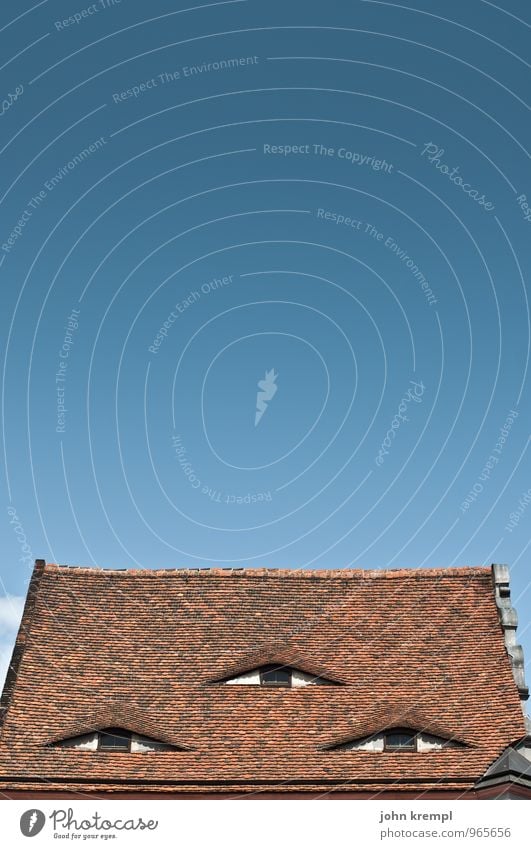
(32, 822)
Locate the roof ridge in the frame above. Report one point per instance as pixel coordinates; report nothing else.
(295, 572)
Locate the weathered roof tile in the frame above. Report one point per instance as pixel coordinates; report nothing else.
(418, 646)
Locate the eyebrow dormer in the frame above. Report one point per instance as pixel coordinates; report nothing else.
(397, 740)
(114, 740)
(277, 675)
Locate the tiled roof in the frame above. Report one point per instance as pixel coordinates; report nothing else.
(141, 648)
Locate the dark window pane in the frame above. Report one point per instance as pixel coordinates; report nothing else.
(275, 676)
(114, 740)
(400, 740)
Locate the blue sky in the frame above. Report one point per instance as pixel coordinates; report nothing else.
(319, 208)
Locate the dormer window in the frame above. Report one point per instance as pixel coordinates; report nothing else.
(115, 740)
(276, 676)
(400, 741)
(397, 740)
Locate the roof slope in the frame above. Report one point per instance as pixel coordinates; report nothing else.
(142, 647)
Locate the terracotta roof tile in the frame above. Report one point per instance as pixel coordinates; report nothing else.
(140, 648)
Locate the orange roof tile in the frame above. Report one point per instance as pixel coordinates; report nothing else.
(414, 647)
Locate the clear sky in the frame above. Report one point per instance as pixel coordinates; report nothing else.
(264, 276)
